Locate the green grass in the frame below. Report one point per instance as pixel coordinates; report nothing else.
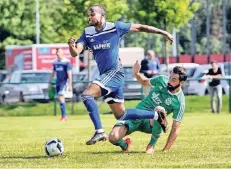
(203, 142)
(194, 104)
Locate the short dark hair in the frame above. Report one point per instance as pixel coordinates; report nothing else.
(100, 7)
(181, 72)
(213, 61)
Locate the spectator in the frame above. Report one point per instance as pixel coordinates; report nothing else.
(150, 67)
(215, 86)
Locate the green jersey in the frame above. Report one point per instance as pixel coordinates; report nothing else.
(160, 96)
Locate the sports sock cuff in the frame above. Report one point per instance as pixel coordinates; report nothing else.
(99, 130)
(155, 115)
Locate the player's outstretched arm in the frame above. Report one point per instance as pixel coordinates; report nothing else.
(141, 78)
(150, 29)
(75, 49)
(172, 136)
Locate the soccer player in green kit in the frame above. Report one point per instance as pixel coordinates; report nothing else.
(167, 96)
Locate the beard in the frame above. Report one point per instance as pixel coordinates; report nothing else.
(172, 88)
(93, 24)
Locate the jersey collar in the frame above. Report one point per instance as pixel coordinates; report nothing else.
(104, 25)
(175, 93)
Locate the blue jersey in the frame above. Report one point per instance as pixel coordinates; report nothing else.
(61, 67)
(105, 43)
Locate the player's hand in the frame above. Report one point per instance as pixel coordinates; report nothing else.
(150, 149)
(164, 150)
(71, 42)
(169, 37)
(136, 68)
(70, 88)
(149, 72)
(159, 109)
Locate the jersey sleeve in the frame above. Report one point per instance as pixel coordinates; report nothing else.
(178, 112)
(122, 27)
(158, 79)
(68, 66)
(82, 40)
(53, 66)
(219, 71)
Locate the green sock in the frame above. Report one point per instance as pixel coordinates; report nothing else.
(154, 139)
(121, 143)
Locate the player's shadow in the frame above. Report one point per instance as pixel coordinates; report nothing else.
(25, 157)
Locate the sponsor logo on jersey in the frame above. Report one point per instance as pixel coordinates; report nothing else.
(168, 101)
(59, 68)
(102, 46)
(156, 99)
(92, 40)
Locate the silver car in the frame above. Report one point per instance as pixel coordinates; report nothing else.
(25, 85)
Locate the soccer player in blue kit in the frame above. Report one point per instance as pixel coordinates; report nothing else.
(103, 39)
(62, 69)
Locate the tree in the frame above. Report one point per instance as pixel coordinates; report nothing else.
(164, 14)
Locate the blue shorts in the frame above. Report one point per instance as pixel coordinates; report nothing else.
(111, 84)
(61, 88)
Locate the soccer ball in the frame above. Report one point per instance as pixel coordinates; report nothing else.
(54, 147)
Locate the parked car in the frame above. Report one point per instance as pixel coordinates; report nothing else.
(132, 88)
(190, 68)
(3, 75)
(200, 87)
(25, 85)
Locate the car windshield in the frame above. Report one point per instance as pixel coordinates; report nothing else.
(128, 73)
(35, 77)
(2, 76)
(190, 72)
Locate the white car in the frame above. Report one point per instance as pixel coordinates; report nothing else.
(198, 85)
(25, 85)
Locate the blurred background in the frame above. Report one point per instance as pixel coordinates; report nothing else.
(31, 30)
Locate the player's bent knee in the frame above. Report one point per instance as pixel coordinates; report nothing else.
(86, 97)
(113, 137)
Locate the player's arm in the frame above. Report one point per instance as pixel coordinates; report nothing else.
(150, 29)
(69, 74)
(51, 78)
(75, 49)
(141, 78)
(172, 136)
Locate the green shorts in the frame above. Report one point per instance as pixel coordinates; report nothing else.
(142, 125)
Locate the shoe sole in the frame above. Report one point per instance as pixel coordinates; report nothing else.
(93, 142)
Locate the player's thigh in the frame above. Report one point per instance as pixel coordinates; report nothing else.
(117, 133)
(93, 90)
(117, 109)
(61, 98)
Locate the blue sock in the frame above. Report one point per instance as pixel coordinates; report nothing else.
(134, 114)
(92, 108)
(63, 109)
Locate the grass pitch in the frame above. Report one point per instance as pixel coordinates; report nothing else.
(203, 142)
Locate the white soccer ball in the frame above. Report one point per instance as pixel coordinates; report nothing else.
(54, 147)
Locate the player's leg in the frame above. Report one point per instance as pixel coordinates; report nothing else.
(212, 98)
(88, 96)
(116, 135)
(60, 91)
(120, 130)
(219, 98)
(115, 101)
(156, 131)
